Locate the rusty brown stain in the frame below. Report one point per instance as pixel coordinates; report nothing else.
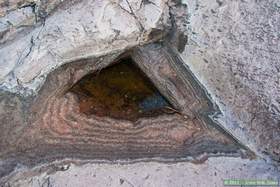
(118, 92)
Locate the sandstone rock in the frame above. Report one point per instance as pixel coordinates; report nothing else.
(232, 47)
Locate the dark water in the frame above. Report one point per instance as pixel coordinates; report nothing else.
(120, 91)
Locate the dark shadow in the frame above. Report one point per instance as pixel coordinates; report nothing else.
(120, 91)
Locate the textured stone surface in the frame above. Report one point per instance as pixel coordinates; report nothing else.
(55, 128)
(211, 173)
(74, 31)
(234, 49)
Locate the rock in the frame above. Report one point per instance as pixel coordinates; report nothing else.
(234, 50)
(232, 47)
(92, 29)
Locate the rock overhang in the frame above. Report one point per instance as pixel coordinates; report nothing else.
(56, 128)
(92, 29)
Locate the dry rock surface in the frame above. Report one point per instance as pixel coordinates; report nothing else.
(76, 30)
(234, 49)
(211, 173)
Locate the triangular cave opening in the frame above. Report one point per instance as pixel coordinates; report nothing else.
(179, 130)
(120, 91)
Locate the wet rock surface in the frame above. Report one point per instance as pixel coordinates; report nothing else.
(121, 91)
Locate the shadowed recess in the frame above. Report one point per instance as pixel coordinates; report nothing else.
(121, 91)
(115, 114)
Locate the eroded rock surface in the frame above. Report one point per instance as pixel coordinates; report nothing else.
(212, 173)
(76, 30)
(231, 46)
(56, 128)
(234, 49)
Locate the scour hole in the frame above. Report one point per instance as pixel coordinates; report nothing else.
(120, 91)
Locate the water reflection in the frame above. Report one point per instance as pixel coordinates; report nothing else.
(120, 91)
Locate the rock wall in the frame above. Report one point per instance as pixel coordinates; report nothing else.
(32, 46)
(234, 49)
